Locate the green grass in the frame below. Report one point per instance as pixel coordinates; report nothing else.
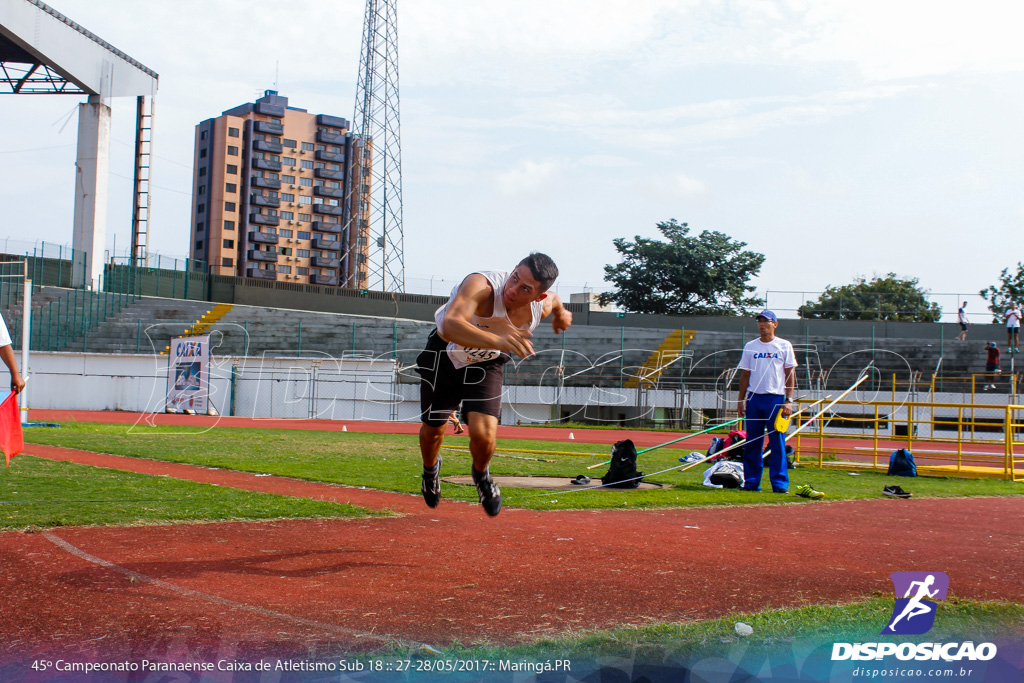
(392, 462)
(41, 493)
(794, 630)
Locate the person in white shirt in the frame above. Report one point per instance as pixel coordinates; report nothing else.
(961, 317)
(767, 383)
(1012, 317)
(490, 317)
(7, 356)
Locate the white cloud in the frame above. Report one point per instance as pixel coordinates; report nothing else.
(530, 177)
(689, 187)
(607, 161)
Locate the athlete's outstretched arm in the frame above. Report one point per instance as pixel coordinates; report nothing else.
(562, 318)
(474, 294)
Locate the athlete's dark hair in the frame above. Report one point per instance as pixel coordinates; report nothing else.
(542, 268)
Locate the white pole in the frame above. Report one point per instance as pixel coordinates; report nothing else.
(26, 328)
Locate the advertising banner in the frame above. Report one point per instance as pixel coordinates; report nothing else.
(188, 381)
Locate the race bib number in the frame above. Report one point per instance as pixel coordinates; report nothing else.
(464, 356)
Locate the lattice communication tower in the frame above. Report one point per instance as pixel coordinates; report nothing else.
(377, 204)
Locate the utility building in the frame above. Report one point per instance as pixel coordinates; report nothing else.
(271, 195)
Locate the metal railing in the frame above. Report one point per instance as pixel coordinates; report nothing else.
(865, 432)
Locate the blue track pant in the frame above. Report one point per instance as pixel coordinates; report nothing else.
(760, 418)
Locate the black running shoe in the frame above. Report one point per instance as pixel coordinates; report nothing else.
(430, 486)
(490, 494)
(896, 492)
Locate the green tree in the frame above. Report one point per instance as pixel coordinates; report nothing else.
(705, 275)
(1010, 289)
(888, 298)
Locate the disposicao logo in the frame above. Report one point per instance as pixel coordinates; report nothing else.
(914, 614)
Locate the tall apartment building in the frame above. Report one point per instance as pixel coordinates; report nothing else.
(268, 195)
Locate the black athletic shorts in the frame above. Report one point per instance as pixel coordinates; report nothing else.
(477, 387)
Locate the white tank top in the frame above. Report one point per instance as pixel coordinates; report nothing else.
(462, 356)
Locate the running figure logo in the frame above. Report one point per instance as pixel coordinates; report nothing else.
(914, 613)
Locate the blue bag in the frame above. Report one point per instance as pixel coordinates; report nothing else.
(717, 444)
(901, 464)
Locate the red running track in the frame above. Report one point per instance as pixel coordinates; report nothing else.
(317, 587)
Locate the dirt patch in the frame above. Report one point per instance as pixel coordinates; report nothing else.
(548, 483)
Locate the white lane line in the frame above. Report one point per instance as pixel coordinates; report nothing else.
(187, 592)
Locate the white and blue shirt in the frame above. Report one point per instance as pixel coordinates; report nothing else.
(767, 363)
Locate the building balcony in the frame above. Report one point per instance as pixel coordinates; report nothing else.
(264, 146)
(325, 245)
(260, 200)
(333, 228)
(270, 256)
(263, 237)
(262, 219)
(269, 109)
(322, 155)
(332, 121)
(328, 210)
(324, 280)
(321, 262)
(329, 174)
(269, 127)
(266, 183)
(261, 274)
(330, 138)
(266, 165)
(334, 192)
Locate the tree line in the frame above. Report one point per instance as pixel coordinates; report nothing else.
(710, 273)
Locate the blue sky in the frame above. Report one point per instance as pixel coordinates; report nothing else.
(840, 139)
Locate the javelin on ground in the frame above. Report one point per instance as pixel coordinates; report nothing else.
(668, 443)
(683, 468)
(716, 454)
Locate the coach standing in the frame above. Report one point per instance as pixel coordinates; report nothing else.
(767, 384)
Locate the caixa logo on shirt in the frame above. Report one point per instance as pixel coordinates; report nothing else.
(917, 597)
(767, 354)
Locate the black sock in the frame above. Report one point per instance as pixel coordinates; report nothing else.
(477, 476)
(432, 470)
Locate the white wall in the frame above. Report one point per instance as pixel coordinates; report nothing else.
(308, 387)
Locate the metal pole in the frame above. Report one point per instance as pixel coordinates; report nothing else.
(622, 350)
(234, 383)
(300, 339)
(26, 323)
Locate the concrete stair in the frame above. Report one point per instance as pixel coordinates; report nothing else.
(668, 353)
(145, 326)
